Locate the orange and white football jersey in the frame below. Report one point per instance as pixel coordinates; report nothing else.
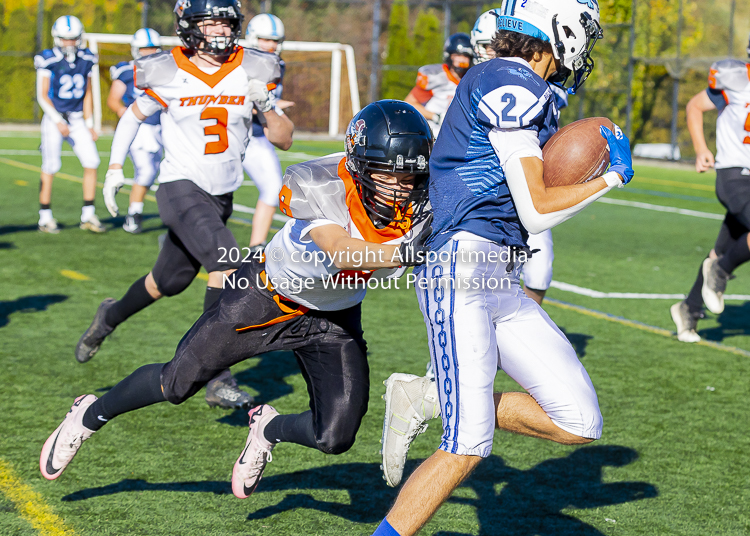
(729, 90)
(435, 89)
(317, 193)
(206, 116)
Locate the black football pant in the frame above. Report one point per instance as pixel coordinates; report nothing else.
(733, 191)
(328, 345)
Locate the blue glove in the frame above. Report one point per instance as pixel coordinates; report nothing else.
(620, 159)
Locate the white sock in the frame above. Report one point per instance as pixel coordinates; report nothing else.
(135, 208)
(45, 216)
(86, 212)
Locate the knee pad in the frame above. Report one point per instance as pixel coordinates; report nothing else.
(51, 165)
(172, 283)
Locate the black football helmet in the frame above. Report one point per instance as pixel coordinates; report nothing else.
(458, 43)
(190, 12)
(389, 136)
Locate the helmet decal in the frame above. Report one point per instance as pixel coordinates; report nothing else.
(591, 4)
(181, 6)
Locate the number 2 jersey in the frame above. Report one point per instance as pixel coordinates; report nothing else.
(206, 117)
(502, 109)
(316, 193)
(68, 81)
(729, 90)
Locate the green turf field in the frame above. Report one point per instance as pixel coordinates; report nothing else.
(673, 458)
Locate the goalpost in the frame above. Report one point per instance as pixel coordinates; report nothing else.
(338, 52)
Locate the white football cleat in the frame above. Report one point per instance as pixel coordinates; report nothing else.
(93, 224)
(248, 469)
(63, 444)
(410, 401)
(685, 322)
(50, 226)
(714, 284)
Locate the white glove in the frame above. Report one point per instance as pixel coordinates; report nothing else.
(438, 118)
(115, 179)
(259, 94)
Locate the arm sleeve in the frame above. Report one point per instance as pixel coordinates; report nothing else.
(533, 221)
(44, 104)
(125, 133)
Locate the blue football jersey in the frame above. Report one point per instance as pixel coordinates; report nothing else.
(68, 81)
(468, 190)
(123, 72)
(257, 127)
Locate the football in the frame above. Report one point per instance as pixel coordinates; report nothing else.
(577, 153)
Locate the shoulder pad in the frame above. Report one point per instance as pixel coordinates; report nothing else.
(733, 75)
(427, 75)
(262, 66)
(154, 70)
(46, 58)
(116, 71)
(317, 192)
(86, 54)
(512, 106)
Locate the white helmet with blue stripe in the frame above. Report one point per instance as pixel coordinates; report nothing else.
(265, 26)
(68, 27)
(144, 38)
(482, 34)
(570, 26)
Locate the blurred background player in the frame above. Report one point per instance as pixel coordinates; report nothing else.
(63, 90)
(729, 92)
(265, 32)
(206, 92)
(146, 151)
(437, 83)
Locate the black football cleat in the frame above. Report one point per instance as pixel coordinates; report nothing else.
(92, 339)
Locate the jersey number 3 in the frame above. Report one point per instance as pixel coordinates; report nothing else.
(747, 129)
(219, 129)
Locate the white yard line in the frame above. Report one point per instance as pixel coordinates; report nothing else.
(582, 291)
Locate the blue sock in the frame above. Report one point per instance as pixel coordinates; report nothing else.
(385, 529)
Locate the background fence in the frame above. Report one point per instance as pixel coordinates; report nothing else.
(643, 78)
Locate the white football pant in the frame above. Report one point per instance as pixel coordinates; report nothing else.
(473, 332)
(537, 271)
(146, 153)
(80, 139)
(263, 167)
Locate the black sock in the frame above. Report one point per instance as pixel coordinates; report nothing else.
(694, 299)
(135, 299)
(88, 203)
(212, 295)
(736, 254)
(140, 389)
(43, 206)
(292, 429)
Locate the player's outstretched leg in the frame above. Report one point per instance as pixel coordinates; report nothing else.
(248, 469)
(92, 339)
(63, 444)
(410, 401)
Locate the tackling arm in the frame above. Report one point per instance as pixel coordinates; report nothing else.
(278, 129)
(339, 246)
(700, 103)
